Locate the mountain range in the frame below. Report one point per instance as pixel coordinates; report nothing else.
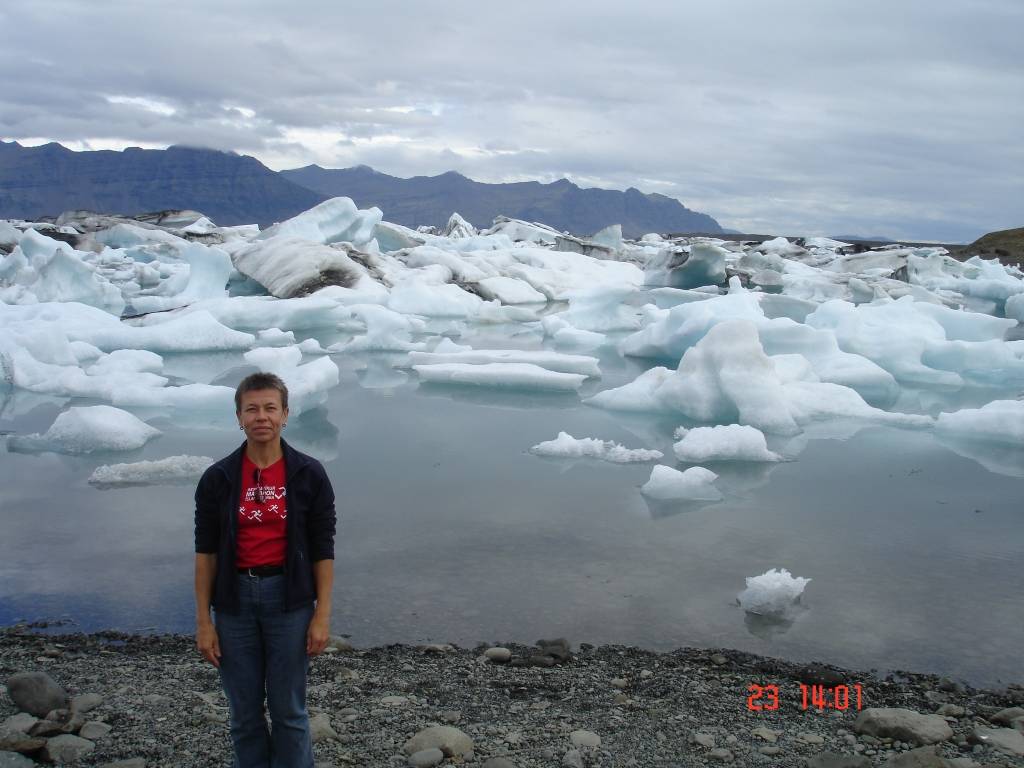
(37, 182)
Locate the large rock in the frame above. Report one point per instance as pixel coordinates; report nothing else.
(36, 693)
(14, 760)
(836, 760)
(903, 725)
(426, 758)
(922, 757)
(320, 728)
(1009, 741)
(66, 749)
(1007, 716)
(451, 741)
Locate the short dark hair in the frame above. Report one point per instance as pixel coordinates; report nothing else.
(261, 380)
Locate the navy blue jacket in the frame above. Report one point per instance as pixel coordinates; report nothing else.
(309, 525)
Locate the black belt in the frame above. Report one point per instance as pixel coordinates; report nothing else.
(263, 570)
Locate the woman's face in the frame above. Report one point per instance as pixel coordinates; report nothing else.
(262, 416)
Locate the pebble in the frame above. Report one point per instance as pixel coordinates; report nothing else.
(704, 739)
(572, 759)
(66, 748)
(94, 730)
(585, 739)
(86, 702)
(767, 734)
(498, 655)
(770, 750)
(721, 754)
(451, 741)
(620, 682)
(810, 738)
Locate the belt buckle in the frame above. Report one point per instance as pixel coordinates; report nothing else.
(251, 574)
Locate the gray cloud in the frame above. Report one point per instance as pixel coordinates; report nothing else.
(791, 117)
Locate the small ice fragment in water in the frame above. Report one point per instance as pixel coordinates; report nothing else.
(773, 593)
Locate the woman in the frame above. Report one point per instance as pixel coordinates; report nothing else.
(264, 530)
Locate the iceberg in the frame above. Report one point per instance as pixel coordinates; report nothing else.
(289, 266)
(668, 484)
(505, 375)
(731, 442)
(1000, 421)
(774, 593)
(567, 446)
(336, 220)
(173, 469)
(552, 361)
(87, 429)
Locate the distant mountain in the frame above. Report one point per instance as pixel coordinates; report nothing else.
(430, 200)
(229, 188)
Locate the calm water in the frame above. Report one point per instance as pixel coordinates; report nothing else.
(450, 530)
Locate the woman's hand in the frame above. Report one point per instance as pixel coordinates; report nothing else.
(317, 634)
(208, 643)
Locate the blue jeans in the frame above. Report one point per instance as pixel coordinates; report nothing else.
(263, 653)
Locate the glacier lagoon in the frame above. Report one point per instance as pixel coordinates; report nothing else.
(450, 530)
(888, 383)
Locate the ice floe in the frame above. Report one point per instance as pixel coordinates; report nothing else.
(173, 469)
(567, 446)
(774, 593)
(668, 484)
(726, 442)
(86, 430)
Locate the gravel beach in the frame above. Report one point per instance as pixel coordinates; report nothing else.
(151, 701)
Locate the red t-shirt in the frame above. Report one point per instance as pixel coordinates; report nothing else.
(262, 537)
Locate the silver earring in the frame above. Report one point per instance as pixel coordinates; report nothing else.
(241, 427)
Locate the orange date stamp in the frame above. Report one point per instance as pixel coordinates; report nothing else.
(765, 698)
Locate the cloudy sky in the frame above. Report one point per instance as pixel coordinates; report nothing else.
(899, 118)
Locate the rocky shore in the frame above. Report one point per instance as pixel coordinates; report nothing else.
(110, 699)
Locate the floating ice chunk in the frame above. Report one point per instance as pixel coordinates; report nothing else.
(961, 325)
(825, 242)
(610, 237)
(728, 378)
(1015, 307)
(457, 227)
(208, 273)
(507, 375)
(191, 332)
(564, 335)
(518, 230)
(8, 234)
(552, 361)
(773, 593)
(256, 313)
(705, 266)
(872, 263)
(686, 324)
(652, 237)
(732, 442)
(446, 300)
(385, 331)
(173, 469)
(601, 308)
(781, 246)
(567, 446)
(458, 266)
(290, 266)
(510, 290)
(201, 226)
(365, 291)
(127, 361)
(447, 345)
(274, 337)
(124, 235)
(43, 270)
(1001, 421)
(668, 484)
(88, 429)
(332, 221)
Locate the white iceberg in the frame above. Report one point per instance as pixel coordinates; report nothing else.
(173, 469)
(731, 442)
(505, 375)
(668, 484)
(567, 446)
(1000, 421)
(553, 361)
(88, 429)
(773, 593)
